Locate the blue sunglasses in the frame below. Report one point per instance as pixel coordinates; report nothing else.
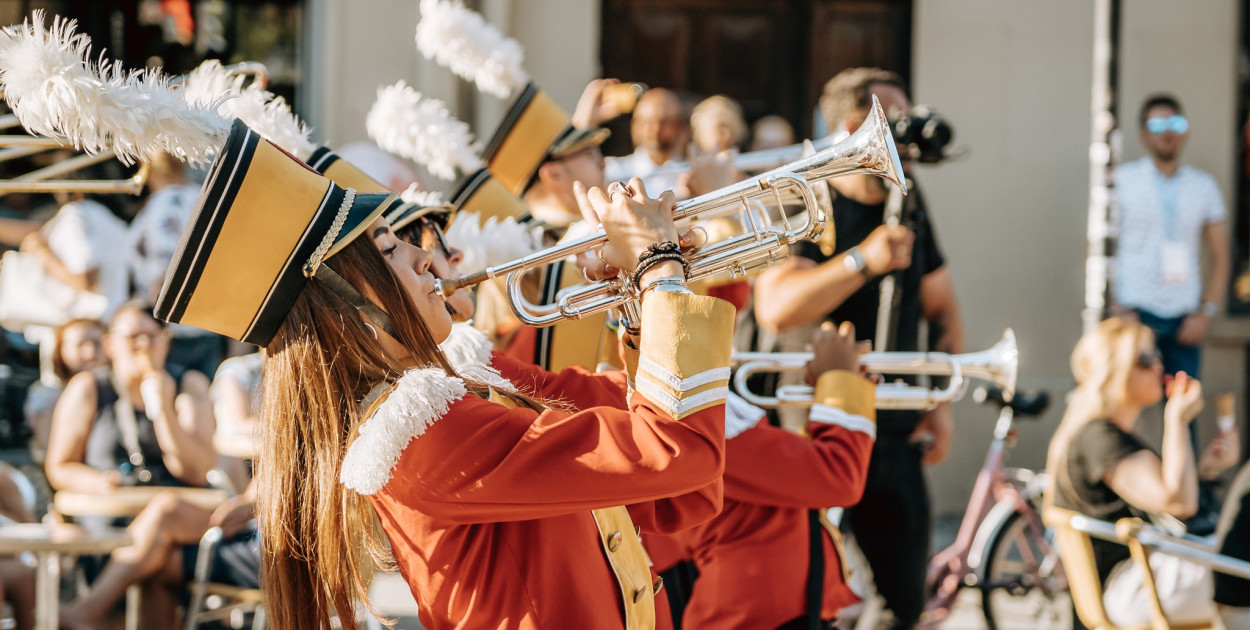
(1162, 124)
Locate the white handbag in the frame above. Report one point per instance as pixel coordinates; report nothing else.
(29, 296)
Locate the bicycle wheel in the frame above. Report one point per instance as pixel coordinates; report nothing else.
(1023, 585)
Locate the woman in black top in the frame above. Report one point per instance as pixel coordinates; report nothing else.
(130, 424)
(1101, 468)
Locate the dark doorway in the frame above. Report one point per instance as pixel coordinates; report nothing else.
(772, 56)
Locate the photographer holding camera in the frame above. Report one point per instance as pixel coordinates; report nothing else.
(840, 281)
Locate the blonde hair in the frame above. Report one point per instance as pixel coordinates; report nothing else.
(720, 110)
(1101, 363)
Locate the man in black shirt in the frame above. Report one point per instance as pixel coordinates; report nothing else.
(842, 283)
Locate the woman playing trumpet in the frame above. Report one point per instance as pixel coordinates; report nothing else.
(500, 505)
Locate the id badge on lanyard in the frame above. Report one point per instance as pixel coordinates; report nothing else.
(1174, 261)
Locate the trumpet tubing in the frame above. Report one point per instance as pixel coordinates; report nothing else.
(870, 150)
(997, 365)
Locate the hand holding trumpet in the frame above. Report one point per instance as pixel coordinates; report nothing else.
(633, 222)
(834, 348)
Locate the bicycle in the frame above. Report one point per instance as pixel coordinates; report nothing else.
(1003, 548)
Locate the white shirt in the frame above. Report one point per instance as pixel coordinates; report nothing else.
(1159, 215)
(155, 234)
(638, 164)
(86, 236)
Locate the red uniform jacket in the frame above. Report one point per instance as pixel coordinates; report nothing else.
(488, 507)
(753, 557)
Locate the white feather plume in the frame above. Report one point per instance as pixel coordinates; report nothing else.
(259, 109)
(491, 243)
(421, 129)
(55, 90)
(426, 198)
(460, 40)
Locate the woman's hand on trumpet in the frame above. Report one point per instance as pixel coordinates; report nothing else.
(633, 222)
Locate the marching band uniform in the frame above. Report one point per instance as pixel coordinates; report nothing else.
(494, 510)
(457, 473)
(753, 558)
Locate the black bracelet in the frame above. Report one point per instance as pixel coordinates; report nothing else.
(655, 254)
(647, 263)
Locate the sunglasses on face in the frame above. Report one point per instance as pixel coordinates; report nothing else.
(435, 226)
(1148, 359)
(1160, 125)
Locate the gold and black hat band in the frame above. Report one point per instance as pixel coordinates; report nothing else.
(482, 194)
(260, 218)
(344, 173)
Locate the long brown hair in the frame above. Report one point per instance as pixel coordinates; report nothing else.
(322, 541)
(1101, 363)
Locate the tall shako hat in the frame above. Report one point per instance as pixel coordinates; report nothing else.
(264, 224)
(534, 130)
(344, 173)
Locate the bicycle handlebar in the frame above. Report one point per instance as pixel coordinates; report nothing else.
(1023, 404)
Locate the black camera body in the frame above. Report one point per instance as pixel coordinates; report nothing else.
(922, 135)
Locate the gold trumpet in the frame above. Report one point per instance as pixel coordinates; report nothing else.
(997, 365)
(870, 150)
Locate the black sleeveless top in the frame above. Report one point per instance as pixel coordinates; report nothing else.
(106, 448)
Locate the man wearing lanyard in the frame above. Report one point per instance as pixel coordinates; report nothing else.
(1168, 211)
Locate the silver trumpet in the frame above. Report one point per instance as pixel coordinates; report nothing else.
(756, 161)
(997, 365)
(870, 150)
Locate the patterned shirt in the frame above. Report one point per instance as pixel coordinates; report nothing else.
(1161, 222)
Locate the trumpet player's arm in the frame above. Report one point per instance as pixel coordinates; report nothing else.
(799, 291)
(828, 467)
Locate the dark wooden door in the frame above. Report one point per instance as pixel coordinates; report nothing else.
(772, 56)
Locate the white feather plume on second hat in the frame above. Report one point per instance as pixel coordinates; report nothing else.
(407, 124)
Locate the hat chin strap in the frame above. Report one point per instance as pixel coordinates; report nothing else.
(348, 292)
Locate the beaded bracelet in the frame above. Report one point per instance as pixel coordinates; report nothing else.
(656, 254)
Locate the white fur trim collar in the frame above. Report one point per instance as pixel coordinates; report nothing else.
(419, 399)
(740, 415)
(468, 350)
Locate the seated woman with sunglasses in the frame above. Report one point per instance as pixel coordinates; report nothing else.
(134, 424)
(501, 508)
(1101, 468)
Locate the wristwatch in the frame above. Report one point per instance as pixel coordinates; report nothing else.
(854, 261)
(1209, 309)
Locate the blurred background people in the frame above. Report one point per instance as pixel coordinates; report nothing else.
(79, 347)
(717, 125)
(660, 130)
(1101, 467)
(133, 423)
(771, 132)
